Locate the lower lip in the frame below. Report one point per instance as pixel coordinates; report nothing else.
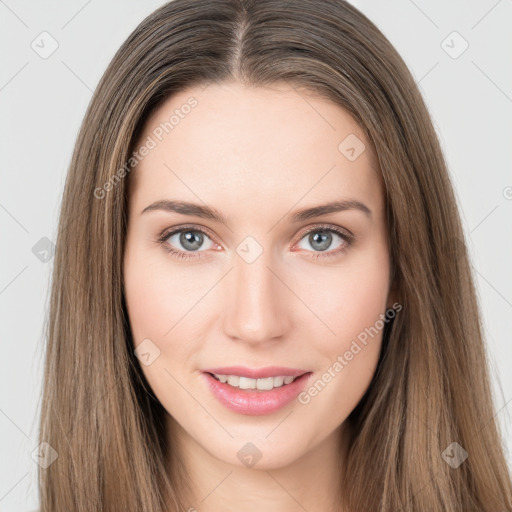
(252, 402)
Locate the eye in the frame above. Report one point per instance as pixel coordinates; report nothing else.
(185, 240)
(321, 239)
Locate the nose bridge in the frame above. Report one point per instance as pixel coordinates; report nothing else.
(256, 311)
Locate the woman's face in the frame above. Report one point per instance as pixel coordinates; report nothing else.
(260, 278)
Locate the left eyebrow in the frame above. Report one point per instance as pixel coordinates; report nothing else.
(335, 206)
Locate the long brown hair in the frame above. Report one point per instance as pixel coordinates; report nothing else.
(431, 387)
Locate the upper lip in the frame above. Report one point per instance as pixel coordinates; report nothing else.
(257, 373)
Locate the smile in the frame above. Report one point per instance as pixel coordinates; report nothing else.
(255, 396)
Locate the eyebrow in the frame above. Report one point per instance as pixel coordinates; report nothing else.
(207, 212)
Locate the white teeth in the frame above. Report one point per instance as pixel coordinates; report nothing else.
(265, 384)
(233, 380)
(246, 383)
(278, 381)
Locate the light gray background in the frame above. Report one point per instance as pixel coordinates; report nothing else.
(42, 104)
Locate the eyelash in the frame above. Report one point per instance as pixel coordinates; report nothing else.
(162, 240)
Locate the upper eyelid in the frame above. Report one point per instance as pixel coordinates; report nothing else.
(172, 231)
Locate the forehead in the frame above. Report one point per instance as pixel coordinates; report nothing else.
(229, 143)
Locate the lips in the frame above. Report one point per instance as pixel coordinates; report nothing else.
(254, 402)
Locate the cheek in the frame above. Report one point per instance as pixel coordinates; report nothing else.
(352, 304)
(166, 304)
(154, 308)
(146, 300)
(157, 296)
(157, 303)
(347, 300)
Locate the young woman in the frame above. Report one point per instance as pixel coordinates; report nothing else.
(262, 297)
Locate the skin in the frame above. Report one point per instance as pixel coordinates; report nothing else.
(257, 155)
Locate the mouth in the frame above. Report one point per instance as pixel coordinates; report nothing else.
(264, 384)
(256, 395)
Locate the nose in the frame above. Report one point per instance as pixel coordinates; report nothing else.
(257, 301)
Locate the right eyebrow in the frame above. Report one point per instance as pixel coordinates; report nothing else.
(186, 208)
